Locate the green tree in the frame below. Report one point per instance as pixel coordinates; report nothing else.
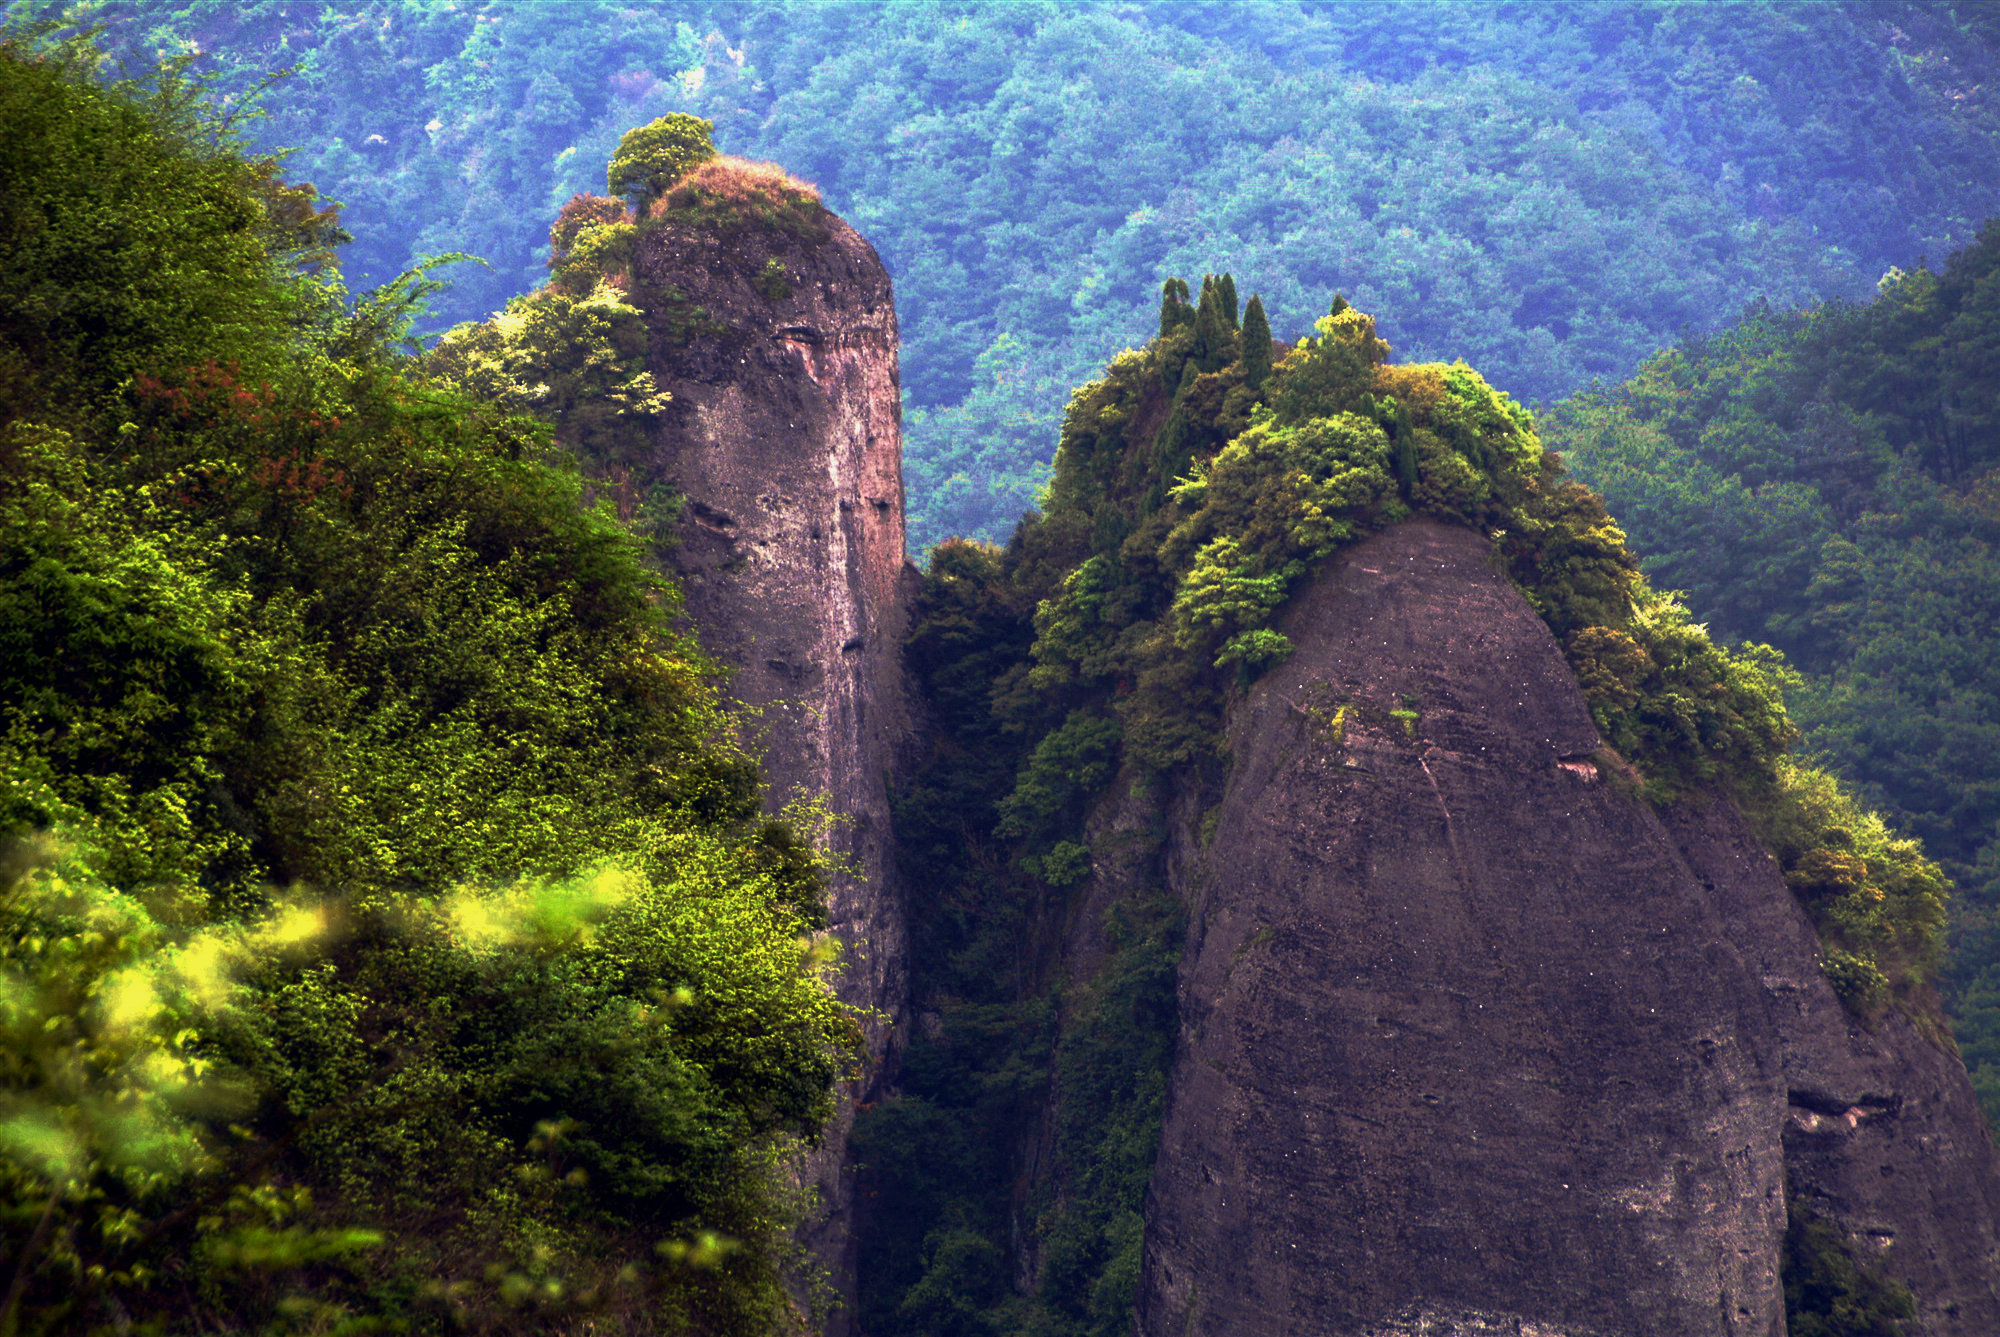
(1256, 344)
(86, 303)
(1174, 308)
(653, 156)
(1215, 340)
(1404, 436)
(391, 935)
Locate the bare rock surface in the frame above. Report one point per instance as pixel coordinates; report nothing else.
(778, 347)
(1881, 1131)
(1474, 1041)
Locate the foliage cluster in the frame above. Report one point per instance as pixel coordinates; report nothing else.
(1179, 545)
(1550, 190)
(389, 936)
(1827, 479)
(576, 351)
(1085, 670)
(736, 192)
(651, 158)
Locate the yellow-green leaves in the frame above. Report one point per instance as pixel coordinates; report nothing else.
(578, 361)
(541, 915)
(655, 155)
(1878, 903)
(1068, 766)
(104, 1084)
(1219, 596)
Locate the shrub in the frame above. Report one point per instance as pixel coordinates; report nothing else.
(651, 158)
(1830, 1293)
(582, 213)
(1878, 903)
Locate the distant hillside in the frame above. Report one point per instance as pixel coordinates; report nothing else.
(1551, 191)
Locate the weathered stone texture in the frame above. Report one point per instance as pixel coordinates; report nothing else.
(784, 438)
(1472, 1040)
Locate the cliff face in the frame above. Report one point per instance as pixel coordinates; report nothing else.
(1473, 1040)
(778, 347)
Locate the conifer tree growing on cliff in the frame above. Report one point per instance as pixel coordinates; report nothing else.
(1214, 339)
(1256, 343)
(655, 155)
(1174, 308)
(1406, 451)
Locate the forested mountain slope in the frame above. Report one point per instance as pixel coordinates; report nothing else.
(1549, 190)
(1825, 479)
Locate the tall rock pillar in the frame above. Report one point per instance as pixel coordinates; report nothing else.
(774, 331)
(1473, 1041)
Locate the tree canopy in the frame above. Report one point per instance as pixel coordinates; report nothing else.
(651, 158)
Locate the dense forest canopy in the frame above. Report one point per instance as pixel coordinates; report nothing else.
(1549, 190)
(390, 936)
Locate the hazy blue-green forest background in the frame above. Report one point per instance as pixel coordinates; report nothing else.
(1553, 193)
(1548, 191)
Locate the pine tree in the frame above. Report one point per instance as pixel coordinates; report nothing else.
(1406, 451)
(1256, 343)
(1172, 457)
(1214, 339)
(1226, 287)
(1188, 372)
(1174, 308)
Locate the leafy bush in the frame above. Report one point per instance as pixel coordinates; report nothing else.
(1879, 904)
(576, 360)
(1830, 1293)
(654, 156)
(736, 192)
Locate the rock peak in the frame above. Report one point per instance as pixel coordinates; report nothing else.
(774, 331)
